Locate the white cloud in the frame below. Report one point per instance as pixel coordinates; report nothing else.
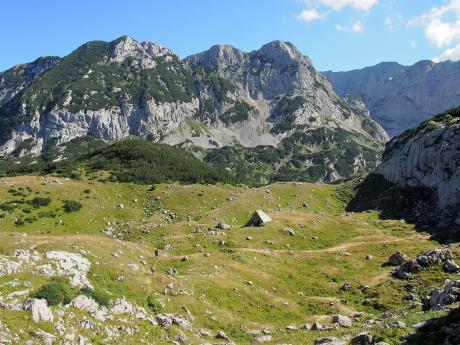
(357, 27)
(452, 54)
(413, 44)
(309, 15)
(441, 24)
(361, 5)
(389, 23)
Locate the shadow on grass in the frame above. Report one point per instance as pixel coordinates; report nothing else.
(443, 330)
(414, 205)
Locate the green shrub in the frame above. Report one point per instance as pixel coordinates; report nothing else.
(38, 202)
(19, 222)
(87, 191)
(99, 296)
(153, 304)
(55, 292)
(30, 219)
(72, 206)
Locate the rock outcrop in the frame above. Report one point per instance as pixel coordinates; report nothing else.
(428, 157)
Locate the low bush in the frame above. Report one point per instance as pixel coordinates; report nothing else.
(154, 304)
(55, 293)
(72, 206)
(99, 296)
(38, 202)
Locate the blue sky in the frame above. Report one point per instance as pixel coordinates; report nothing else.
(336, 34)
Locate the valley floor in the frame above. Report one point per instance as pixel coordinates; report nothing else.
(254, 284)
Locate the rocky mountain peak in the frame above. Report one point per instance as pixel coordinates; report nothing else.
(126, 46)
(280, 53)
(218, 57)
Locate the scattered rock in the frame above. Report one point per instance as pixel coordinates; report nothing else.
(71, 265)
(450, 266)
(407, 268)
(221, 335)
(346, 287)
(223, 226)
(8, 267)
(262, 339)
(83, 302)
(433, 257)
(330, 341)
(364, 338)
(342, 321)
(133, 267)
(122, 306)
(289, 232)
(449, 294)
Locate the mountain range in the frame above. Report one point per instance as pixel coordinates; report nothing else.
(209, 102)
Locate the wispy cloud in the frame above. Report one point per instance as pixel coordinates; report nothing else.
(318, 9)
(356, 27)
(361, 5)
(309, 15)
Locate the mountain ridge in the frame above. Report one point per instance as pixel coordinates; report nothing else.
(401, 97)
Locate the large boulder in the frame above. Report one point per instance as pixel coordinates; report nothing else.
(406, 269)
(397, 259)
(83, 302)
(39, 308)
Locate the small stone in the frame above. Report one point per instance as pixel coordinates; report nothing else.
(346, 287)
(289, 232)
(221, 335)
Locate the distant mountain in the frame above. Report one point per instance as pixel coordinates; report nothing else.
(401, 97)
(221, 97)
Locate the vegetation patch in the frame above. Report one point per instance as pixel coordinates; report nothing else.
(55, 293)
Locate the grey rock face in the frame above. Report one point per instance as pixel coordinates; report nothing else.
(401, 97)
(428, 157)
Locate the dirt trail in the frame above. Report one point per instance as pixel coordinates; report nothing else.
(336, 249)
